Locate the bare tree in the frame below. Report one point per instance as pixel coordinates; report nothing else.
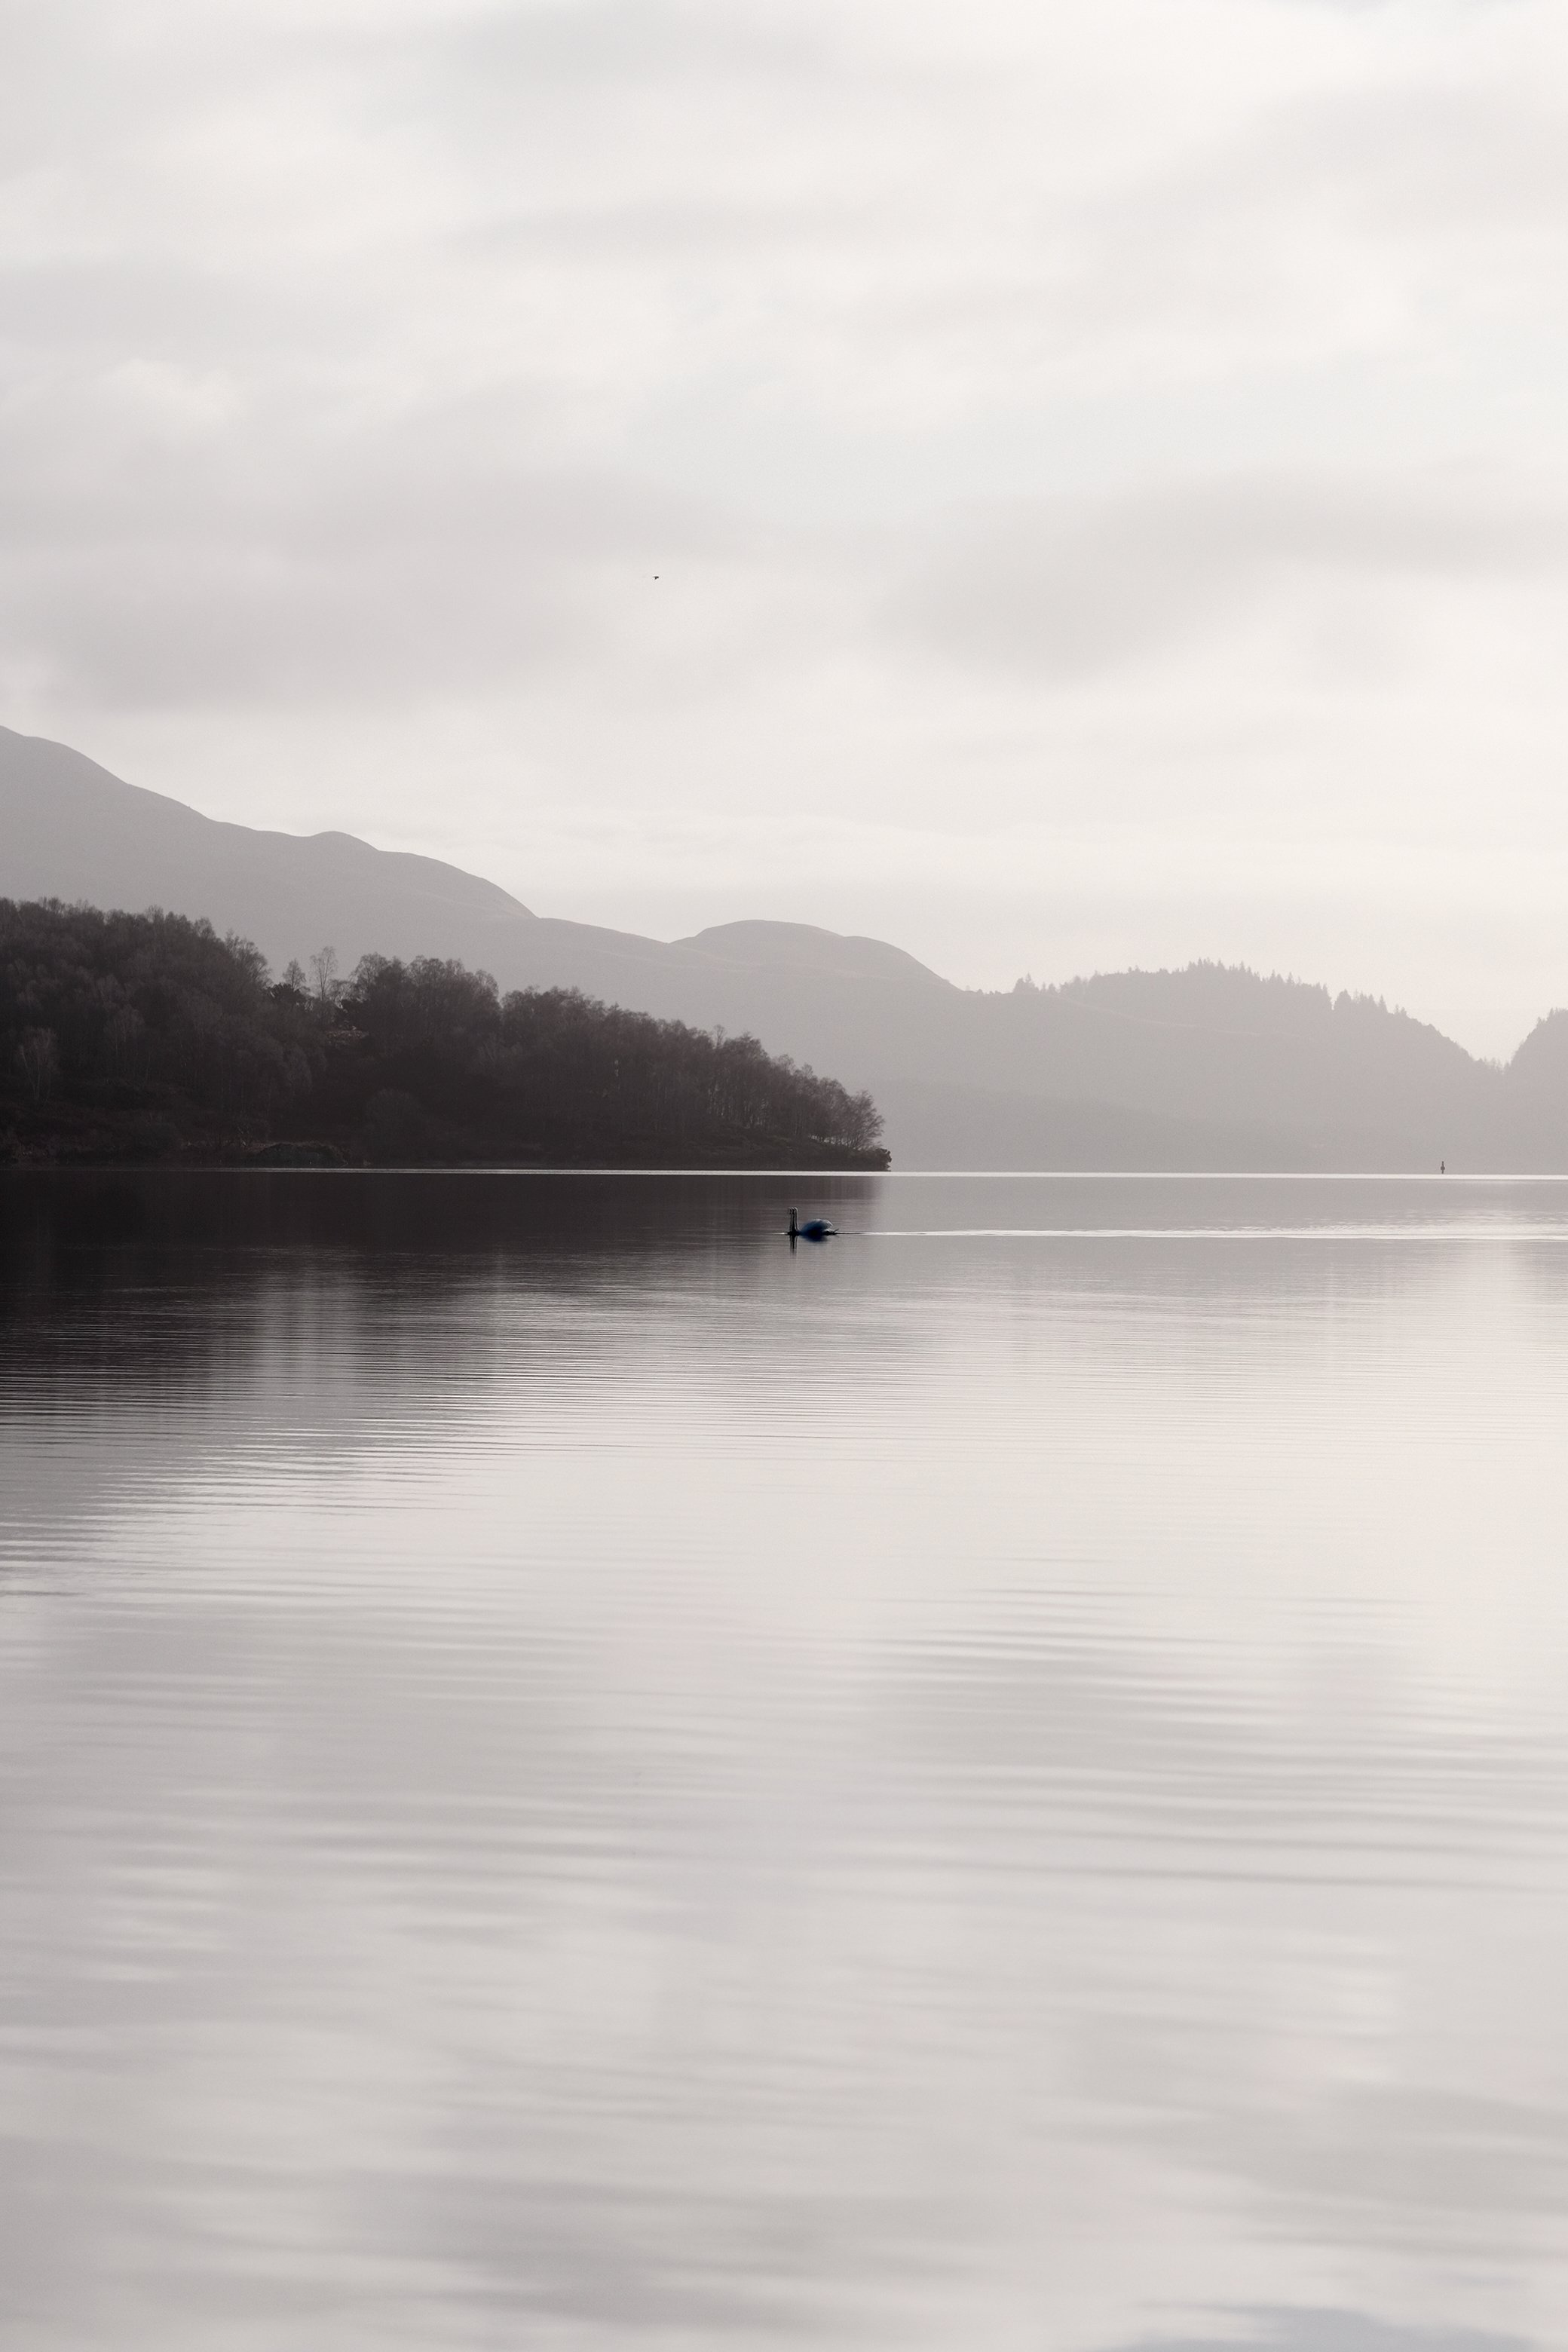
(38, 1057)
(324, 971)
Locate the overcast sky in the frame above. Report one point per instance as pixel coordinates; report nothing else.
(1103, 461)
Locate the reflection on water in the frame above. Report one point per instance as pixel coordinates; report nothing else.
(571, 1776)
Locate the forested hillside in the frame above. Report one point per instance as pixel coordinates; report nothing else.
(1210, 1066)
(147, 1036)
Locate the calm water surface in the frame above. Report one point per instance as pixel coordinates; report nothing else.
(571, 1778)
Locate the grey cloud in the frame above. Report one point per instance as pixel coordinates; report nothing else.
(1422, 158)
(265, 557)
(1329, 2330)
(1071, 588)
(610, 43)
(1384, 224)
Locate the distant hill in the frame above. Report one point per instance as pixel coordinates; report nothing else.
(1208, 1068)
(70, 830)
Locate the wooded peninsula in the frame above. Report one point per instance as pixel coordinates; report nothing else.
(149, 1038)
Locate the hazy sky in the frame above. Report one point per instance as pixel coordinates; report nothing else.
(1103, 460)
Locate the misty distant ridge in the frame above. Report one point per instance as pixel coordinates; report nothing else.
(1217, 996)
(1213, 1067)
(803, 948)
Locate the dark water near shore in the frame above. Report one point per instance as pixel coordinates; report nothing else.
(570, 1776)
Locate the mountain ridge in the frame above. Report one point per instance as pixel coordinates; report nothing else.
(1188, 1068)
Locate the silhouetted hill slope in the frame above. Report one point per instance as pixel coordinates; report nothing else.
(1211, 1067)
(1535, 1085)
(70, 830)
(1356, 1084)
(802, 948)
(1018, 1130)
(1539, 1070)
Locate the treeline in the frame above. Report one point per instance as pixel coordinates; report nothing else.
(147, 1036)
